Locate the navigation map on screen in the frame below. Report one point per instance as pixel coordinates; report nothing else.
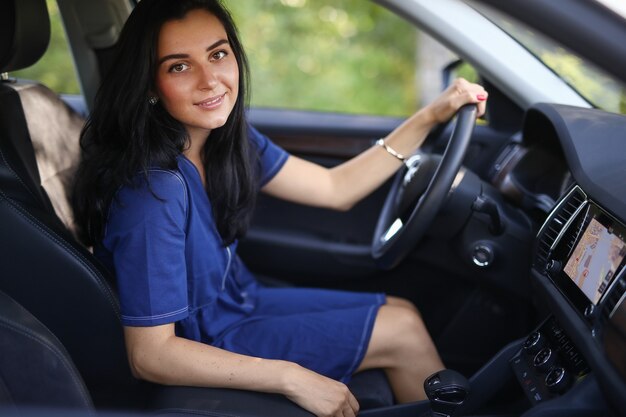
(595, 259)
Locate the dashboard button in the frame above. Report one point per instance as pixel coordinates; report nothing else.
(482, 255)
(544, 359)
(554, 267)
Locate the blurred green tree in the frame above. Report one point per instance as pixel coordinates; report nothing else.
(331, 55)
(596, 86)
(328, 55)
(56, 68)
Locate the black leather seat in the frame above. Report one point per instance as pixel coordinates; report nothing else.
(26, 344)
(43, 267)
(54, 277)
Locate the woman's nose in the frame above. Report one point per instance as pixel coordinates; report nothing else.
(208, 79)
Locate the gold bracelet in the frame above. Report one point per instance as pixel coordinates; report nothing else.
(390, 150)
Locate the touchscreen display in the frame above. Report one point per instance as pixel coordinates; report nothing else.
(595, 260)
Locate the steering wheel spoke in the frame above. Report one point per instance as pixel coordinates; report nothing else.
(395, 227)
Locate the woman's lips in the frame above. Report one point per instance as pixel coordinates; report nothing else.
(212, 102)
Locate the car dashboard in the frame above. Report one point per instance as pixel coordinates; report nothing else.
(578, 261)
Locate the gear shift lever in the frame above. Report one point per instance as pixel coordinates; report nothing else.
(447, 391)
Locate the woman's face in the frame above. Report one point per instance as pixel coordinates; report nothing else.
(197, 76)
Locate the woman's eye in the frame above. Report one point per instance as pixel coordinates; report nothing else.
(178, 68)
(219, 55)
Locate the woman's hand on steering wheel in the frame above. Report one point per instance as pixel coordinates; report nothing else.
(458, 94)
(417, 193)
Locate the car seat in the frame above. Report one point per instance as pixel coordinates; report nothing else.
(26, 345)
(43, 267)
(49, 273)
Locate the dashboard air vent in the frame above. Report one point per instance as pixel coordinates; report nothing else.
(556, 223)
(614, 295)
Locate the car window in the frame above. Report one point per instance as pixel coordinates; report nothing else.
(597, 86)
(56, 68)
(346, 56)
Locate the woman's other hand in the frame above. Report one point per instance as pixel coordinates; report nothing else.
(320, 395)
(459, 93)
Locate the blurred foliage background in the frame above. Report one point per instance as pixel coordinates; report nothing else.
(324, 55)
(56, 68)
(598, 87)
(347, 56)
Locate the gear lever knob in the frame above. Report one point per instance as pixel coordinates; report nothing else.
(447, 391)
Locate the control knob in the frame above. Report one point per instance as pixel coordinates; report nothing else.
(558, 380)
(554, 267)
(534, 343)
(544, 359)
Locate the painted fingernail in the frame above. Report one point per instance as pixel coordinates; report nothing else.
(481, 97)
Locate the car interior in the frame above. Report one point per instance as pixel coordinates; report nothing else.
(500, 221)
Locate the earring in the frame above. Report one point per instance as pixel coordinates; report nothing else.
(153, 100)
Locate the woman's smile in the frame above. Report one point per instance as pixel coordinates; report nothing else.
(211, 103)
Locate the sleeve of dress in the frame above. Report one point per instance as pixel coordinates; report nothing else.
(272, 157)
(145, 235)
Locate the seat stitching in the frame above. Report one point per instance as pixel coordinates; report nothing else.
(15, 174)
(75, 376)
(61, 242)
(4, 390)
(197, 412)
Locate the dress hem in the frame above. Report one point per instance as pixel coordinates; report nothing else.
(365, 338)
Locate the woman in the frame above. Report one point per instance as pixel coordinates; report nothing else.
(166, 186)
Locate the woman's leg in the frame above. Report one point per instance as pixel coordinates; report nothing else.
(401, 345)
(401, 302)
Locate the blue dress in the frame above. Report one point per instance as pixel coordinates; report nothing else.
(172, 267)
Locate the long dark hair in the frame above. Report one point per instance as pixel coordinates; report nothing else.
(126, 135)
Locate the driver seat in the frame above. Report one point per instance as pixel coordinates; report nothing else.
(54, 277)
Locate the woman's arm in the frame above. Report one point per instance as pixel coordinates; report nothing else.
(156, 354)
(343, 186)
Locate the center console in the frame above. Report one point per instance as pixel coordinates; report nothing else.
(581, 251)
(548, 363)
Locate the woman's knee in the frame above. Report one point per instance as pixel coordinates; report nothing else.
(401, 302)
(399, 334)
(412, 329)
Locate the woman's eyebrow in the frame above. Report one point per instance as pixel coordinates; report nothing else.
(216, 44)
(182, 56)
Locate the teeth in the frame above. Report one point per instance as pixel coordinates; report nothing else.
(215, 100)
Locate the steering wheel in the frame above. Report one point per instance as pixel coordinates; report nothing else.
(418, 191)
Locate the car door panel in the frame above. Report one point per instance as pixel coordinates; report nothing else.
(296, 242)
(305, 244)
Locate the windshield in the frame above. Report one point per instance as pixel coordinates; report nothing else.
(618, 6)
(598, 87)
